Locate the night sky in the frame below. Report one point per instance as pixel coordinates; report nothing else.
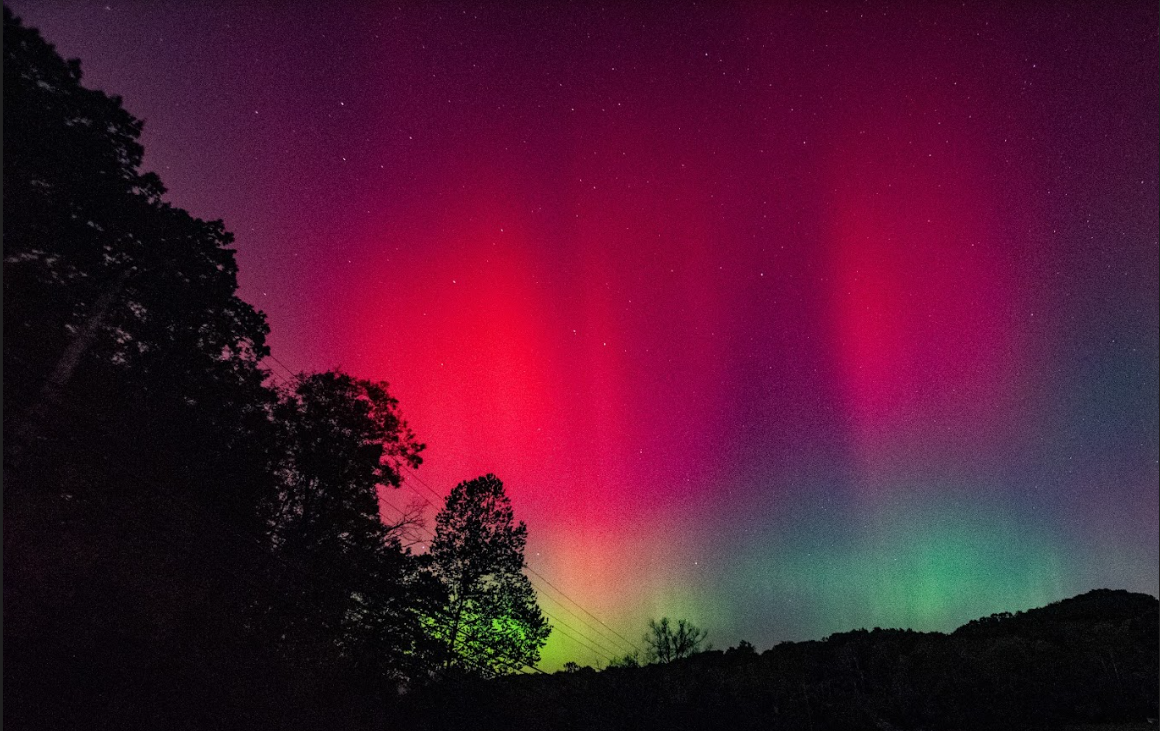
(787, 320)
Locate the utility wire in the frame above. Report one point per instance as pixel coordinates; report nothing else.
(254, 541)
(543, 578)
(421, 481)
(599, 653)
(286, 368)
(604, 650)
(411, 472)
(574, 634)
(577, 604)
(71, 406)
(597, 633)
(403, 481)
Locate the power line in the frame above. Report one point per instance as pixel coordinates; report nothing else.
(505, 662)
(409, 483)
(573, 601)
(286, 368)
(404, 483)
(412, 473)
(596, 637)
(604, 653)
(73, 407)
(423, 482)
(604, 650)
(572, 633)
(622, 638)
(597, 632)
(253, 541)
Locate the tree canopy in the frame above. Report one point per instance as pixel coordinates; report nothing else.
(342, 441)
(186, 543)
(665, 642)
(121, 312)
(491, 624)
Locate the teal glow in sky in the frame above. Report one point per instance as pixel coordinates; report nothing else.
(788, 320)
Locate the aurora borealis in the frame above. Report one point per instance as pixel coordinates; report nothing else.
(788, 319)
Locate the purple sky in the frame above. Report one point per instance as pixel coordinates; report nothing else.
(786, 319)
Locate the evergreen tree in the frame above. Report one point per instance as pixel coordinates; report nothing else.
(492, 624)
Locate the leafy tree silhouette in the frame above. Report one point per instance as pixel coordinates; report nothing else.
(629, 660)
(115, 301)
(343, 442)
(744, 649)
(492, 623)
(184, 546)
(140, 427)
(665, 643)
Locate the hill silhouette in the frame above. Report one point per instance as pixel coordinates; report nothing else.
(1088, 659)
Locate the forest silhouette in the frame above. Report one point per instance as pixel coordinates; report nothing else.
(191, 543)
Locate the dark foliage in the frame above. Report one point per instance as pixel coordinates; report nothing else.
(342, 441)
(491, 624)
(187, 547)
(1090, 659)
(666, 642)
(131, 382)
(184, 546)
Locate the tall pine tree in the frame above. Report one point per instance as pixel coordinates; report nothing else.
(492, 624)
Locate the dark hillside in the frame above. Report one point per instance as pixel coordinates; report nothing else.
(1089, 659)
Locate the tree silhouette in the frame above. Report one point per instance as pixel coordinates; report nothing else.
(184, 546)
(744, 649)
(139, 425)
(343, 442)
(665, 643)
(492, 624)
(628, 660)
(120, 311)
(1086, 662)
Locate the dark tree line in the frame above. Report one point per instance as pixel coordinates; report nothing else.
(1091, 659)
(186, 544)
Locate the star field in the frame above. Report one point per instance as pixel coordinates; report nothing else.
(786, 319)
